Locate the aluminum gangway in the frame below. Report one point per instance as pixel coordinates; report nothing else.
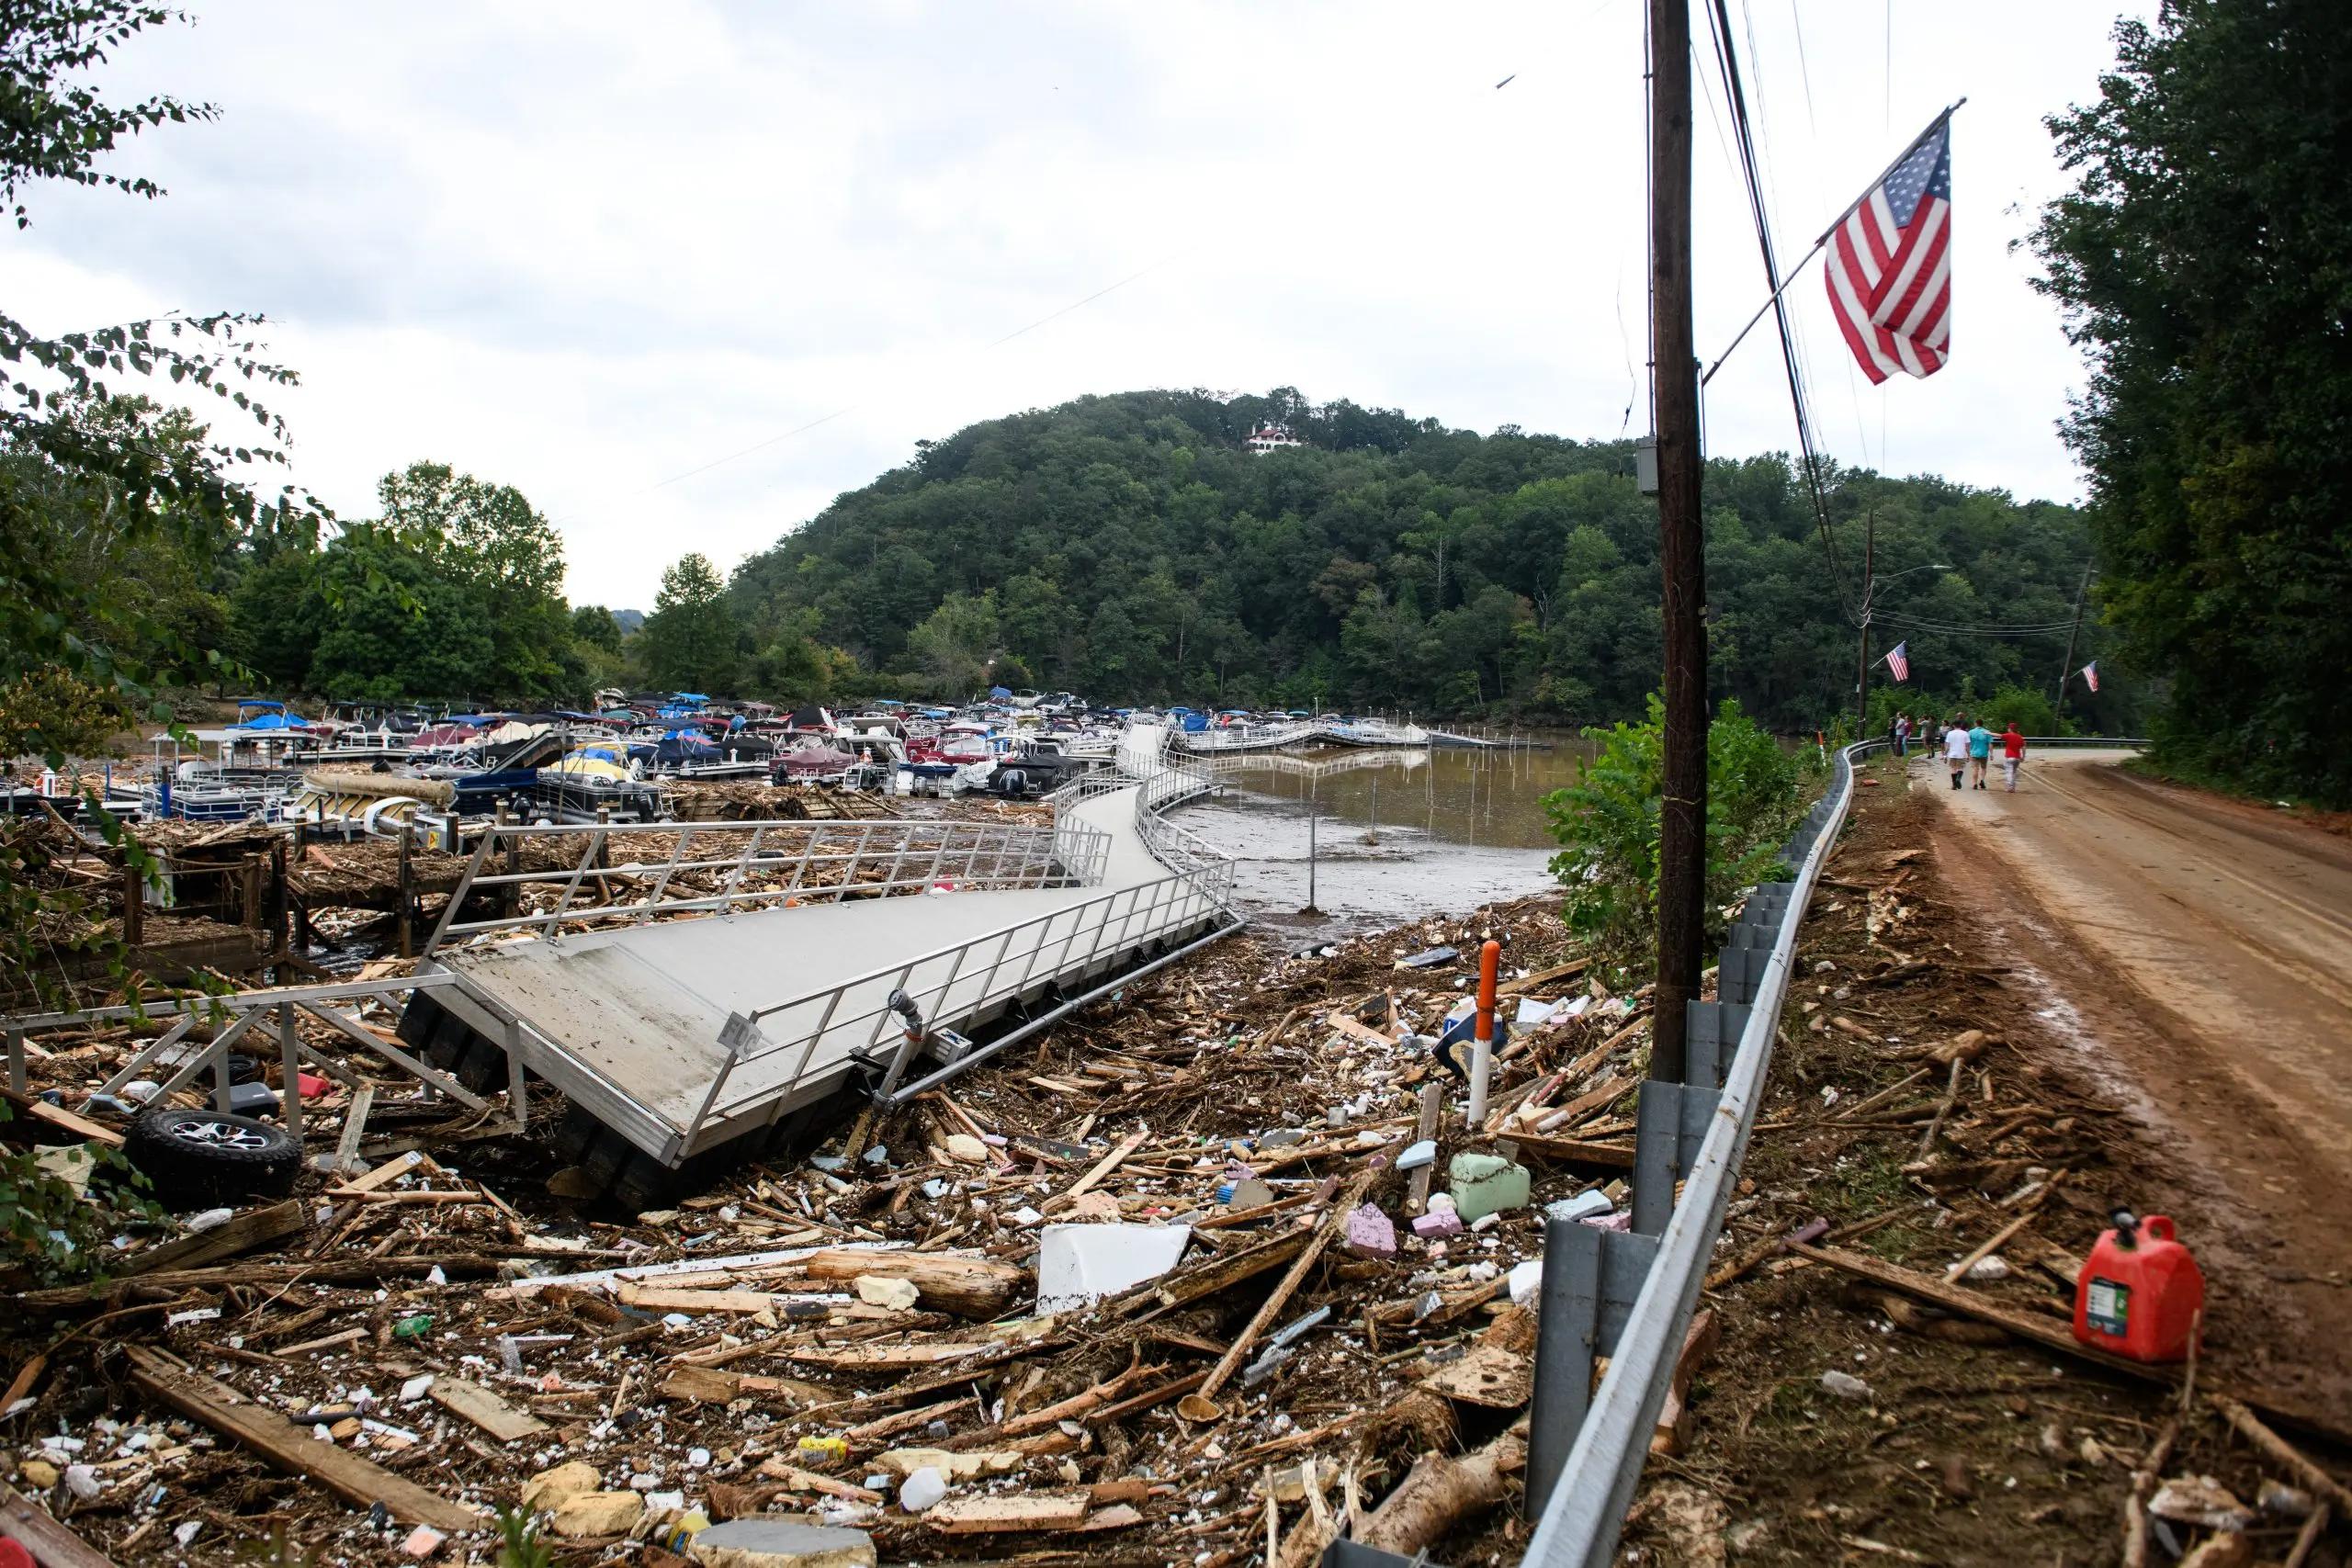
(680, 1037)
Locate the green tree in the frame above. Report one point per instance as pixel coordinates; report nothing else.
(494, 541)
(1607, 824)
(89, 480)
(688, 642)
(593, 627)
(2201, 262)
(956, 643)
(402, 628)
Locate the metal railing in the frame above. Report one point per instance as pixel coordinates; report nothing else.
(818, 1030)
(750, 865)
(242, 1020)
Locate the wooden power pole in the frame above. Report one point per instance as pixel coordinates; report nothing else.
(2066, 668)
(1682, 822)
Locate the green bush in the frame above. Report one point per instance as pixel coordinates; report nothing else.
(1607, 824)
(2034, 713)
(52, 1235)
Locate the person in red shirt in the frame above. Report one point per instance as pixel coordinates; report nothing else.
(2012, 754)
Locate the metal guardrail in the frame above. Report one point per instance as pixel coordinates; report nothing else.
(760, 864)
(1630, 1295)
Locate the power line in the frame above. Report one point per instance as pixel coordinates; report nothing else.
(1727, 59)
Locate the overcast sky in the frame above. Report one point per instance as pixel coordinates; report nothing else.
(628, 257)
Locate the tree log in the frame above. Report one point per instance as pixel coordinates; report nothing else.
(976, 1288)
(1439, 1493)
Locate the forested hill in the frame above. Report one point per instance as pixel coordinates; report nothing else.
(1132, 548)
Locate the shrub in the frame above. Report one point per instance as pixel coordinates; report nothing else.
(1607, 824)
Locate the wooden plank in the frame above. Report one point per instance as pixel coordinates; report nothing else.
(1226, 1271)
(1576, 1151)
(389, 1171)
(1354, 1030)
(290, 1447)
(238, 1234)
(484, 1409)
(800, 1480)
(1108, 1163)
(355, 1127)
(1491, 1375)
(709, 1386)
(663, 1298)
(51, 1544)
(1417, 1186)
(886, 1354)
(58, 1116)
(1021, 1511)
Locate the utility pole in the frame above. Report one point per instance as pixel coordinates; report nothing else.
(2058, 708)
(1682, 816)
(1862, 670)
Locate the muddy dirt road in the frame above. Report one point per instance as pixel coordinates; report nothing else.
(2200, 954)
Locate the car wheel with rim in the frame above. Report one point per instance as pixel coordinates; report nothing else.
(198, 1159)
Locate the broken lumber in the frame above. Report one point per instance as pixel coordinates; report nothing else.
(52, 1545)
(1200, 1405)
(484, 1409)
(2281, 1451)
(290, 1447)
(58, 1116)
(1019, 1511)
(241, 1233)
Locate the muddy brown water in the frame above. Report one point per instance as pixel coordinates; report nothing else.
(1396, 834)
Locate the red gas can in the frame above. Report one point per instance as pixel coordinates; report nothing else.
(2141, 1292)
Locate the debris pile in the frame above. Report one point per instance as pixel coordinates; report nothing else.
(1214, 1258)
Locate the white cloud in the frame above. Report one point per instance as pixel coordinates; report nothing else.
(584, 250)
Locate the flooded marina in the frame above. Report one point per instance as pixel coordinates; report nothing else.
(1395, 833)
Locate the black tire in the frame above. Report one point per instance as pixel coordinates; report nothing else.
(200, 1159)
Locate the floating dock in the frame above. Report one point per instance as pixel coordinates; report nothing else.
(684, 1038)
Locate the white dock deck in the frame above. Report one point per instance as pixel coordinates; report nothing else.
(630, 1024)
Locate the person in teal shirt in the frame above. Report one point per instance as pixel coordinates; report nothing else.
(1980, 749)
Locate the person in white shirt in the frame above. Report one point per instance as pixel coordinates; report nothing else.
(1956, 748)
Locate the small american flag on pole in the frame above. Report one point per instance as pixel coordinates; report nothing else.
(1898, 661)
(1889, 263)
(2090, 674)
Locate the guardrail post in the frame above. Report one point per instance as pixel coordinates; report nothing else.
(1670, 1124)
(1591, 1279)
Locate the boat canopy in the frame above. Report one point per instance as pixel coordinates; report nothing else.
(592, 763)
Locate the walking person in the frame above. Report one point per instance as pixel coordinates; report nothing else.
(1956, 747)
(2012, 755)
(1980, 753)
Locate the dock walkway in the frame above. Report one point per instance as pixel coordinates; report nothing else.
(684, 1035)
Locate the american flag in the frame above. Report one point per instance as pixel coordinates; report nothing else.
(2090, 674)
(1898, 661)
(1889, 265)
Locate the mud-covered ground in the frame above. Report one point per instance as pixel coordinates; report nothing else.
(1965, 1444)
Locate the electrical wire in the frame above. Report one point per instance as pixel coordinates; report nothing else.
(1726, 60)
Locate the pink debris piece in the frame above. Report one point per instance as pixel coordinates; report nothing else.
(1371, 1232)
